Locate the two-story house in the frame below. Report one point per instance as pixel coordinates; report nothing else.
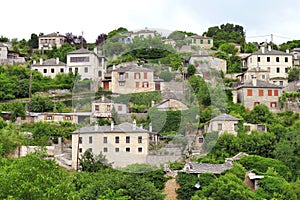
(8, 57)
(223, 123)
(122, 144)
(102, 108)
(50, 67)
(200, 41)
(132, 79)
(275, 62)
(254, 92)
(47, 42)
(88, 64)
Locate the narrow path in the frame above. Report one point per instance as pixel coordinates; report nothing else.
(170, 189)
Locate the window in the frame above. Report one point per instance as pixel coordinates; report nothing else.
(86, 70)
(145, 75)
(286, 59)
(256, 103)
(127, 139)
(121, 83)
(76, 69)
(45, 71)
(137, 76)
(120, 108)
(80, 150)
(99, 73)
(249, 92)
(68, 118)
(194, 41)
(208, 41)
(219, 127)
(236, 127)
(80, 59)
(145, 85)
(121, 76)
(108, 108)
(52, 70)
(117, 139)
(105, 149)
(201, 41)
(201, 140)
(97, 107)
(281, 83)
(268, 59)
(263, 76)
(61, 70)
(137, 84)
(258, 59)
(140, 139)
(277, 59)
(90, 139)
(273, 104)
(48, 117)
(117, 149)
(104, 140)
(126, 75)
(269, 92)
(275, 92)
(80, 140)
(140, 149)
(260, 92)
(70, 69)
(286, 70)
(261, 127)
(127, 149)
(278, 70)
(250, 60)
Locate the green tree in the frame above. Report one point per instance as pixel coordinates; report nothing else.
(191, 69)
(33, 42)
(293, 74)
(41, 104)
(93, 163)
(260, 115)
(166, 75)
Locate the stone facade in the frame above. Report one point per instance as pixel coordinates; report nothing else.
(58, 117)
(132, 79)
(46, 42)
(8, 57)
(122, 144)
(275, 62)
(102, 108)
(201, 41)
(206, 62)
(171, 104)
(255, 92)
(50, 67)
(223, 124)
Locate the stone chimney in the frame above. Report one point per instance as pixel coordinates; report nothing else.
(262, 49)
(134, 125)
(150, 127)
(57, 60)
(254, 81)
(57, 33)
(112, 126)
(141, 126)
(96, 126)
(41, 61)
(102, 98)
(269, 48)
(287, 51)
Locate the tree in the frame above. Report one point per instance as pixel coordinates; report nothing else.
(260, 115)
(33, 42)
(166, 75)
(101, 39)
(93, 163)
(41, 104)
(293, 74)
(191, 69)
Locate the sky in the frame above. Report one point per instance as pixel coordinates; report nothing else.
(260, 18)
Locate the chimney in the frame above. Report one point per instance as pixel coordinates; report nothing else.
(287, 51)
(141, 126)
(269, 48)
(102, 98)
(57, 33)
(262, 50)
(57, 60)
(150, 127)
(134, 125)
(41, 61)
(254, 81)
(95, 50)
(96, 126)
(34, 62)
(112, 126)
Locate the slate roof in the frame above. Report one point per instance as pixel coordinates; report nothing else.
(50, 62)
(52, 35)
(224, 117)
(272, 52)
(133, 68)
(259, 84)
(122, 128)
(199, 168)
(81, 51)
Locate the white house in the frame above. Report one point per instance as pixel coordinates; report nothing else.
(50, 67)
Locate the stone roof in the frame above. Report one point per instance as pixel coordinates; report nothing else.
(133, 68)
(52, 35)
(122, 128)
(199, 37)
(224, 117)
(50, 62)
(199, 168)
(81, 51)
(103, 100)
(259, 84)
(272, 52)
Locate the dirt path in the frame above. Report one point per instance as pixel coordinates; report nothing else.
(170, 189)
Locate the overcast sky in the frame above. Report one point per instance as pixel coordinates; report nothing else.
(20, 18)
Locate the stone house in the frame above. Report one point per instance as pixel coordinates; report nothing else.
(132, 79)
(144, 33)
(254, 92)
(171, 104)
(275, 62)
(200, 41)
(51, 117)
(50, 67)
(223, 123)
(102, 108)
(88, 64)
(207, 62)
(8, 57)
(46, 42)
(122, 144)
